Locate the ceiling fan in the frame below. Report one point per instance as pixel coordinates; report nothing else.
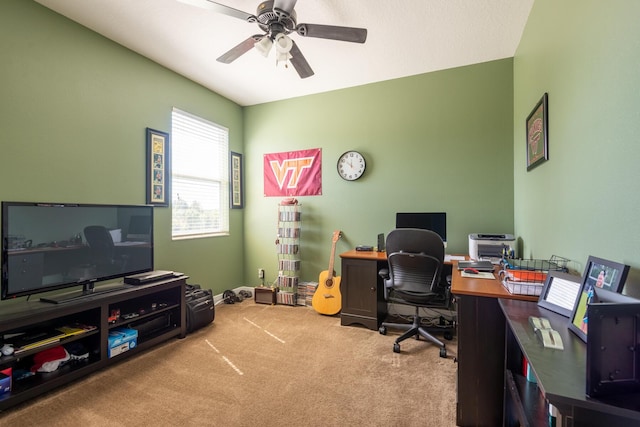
(277, 19)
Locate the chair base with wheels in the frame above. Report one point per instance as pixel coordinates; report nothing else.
(416, 329)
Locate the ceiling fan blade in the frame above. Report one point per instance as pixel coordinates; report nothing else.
(345, 34)
(285, 6)
(239, 50)
(220, 8)
(299, 62)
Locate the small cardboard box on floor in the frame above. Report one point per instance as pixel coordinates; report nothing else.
(121, 340)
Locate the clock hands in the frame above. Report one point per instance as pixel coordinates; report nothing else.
(351, 165)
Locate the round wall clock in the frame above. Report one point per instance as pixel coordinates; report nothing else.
(351, 165)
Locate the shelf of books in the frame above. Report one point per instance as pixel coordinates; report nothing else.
(288, 250)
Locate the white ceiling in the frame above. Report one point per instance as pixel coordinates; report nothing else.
(405, 37)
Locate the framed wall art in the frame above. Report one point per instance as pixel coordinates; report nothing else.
(236, 181)
(599, 274)
(538, 133)
(158, 168)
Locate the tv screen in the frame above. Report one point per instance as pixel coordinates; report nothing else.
(51, 246)
(434, 221)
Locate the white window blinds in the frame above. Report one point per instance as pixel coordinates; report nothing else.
(200, 177)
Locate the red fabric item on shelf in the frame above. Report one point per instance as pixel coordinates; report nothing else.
(48, 355)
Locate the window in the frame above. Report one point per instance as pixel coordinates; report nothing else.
(200, 174)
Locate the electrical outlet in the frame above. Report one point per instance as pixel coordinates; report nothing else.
(261, 273)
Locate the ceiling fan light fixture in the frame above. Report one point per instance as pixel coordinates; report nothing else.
(282, 57)
(277, 19)
(283, 43)
(264, 46)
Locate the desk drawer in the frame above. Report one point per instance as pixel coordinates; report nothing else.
(362, 293)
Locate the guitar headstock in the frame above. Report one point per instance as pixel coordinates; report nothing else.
(336, 236)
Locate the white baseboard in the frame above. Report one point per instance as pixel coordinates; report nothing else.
(217, 299)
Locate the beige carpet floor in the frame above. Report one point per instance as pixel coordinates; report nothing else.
(261, 365)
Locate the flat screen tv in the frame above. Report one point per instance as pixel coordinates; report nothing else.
(434, 221)
(52, 246)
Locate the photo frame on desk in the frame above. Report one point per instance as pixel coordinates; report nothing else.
(538, 133)
(611, 367)
(158, 168)
(599, 275)
(560, 292)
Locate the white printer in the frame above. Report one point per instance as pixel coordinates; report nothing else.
(491, 246)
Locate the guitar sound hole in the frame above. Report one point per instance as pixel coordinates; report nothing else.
(329, 283)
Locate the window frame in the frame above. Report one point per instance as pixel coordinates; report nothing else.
(192, 174)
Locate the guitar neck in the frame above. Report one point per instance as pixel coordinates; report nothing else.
(336, 236)
(333, 253)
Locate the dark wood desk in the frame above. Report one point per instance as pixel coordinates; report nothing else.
(480, 330)
(362, 288)
(481, 347)
(560, 374)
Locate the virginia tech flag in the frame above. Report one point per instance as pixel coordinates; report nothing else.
(293, 173)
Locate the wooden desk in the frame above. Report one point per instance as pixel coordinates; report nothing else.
(362, 288)
(481, 346)
(480, 330)
(365, 255)
(560, 374)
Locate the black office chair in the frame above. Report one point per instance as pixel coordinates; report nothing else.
(413, 278)
(103, 251)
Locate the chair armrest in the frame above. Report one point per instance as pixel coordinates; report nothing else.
(384, 273)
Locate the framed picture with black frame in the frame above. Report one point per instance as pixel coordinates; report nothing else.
(236, 184)
(599, 274)
(560, 292)
(158, 168)
(611, 367)
(538, 133)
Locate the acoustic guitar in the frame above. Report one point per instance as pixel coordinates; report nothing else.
(327, 298)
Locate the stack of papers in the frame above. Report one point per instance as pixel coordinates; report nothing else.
(479, 275)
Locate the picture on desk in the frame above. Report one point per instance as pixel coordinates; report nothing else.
(599, 274)
(560, 292)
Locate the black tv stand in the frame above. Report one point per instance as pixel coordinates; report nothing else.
(159, 303)
(88, 290)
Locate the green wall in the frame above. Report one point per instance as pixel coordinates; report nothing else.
(73, 112)
(584, 200)
(434, 142)
(75, 107)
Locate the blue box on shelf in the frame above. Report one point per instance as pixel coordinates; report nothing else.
(122, 340)
(5, 383)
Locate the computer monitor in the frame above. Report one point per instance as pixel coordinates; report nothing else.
(434, 221)
(139, 228)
